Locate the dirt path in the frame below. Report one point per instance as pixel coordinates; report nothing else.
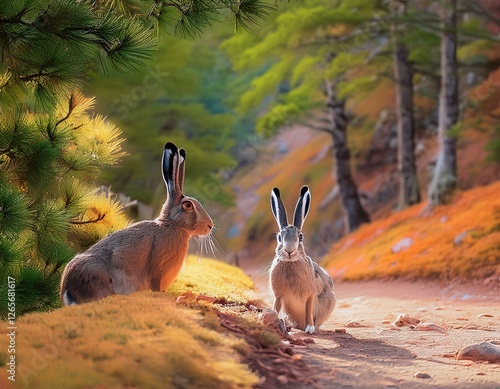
(380, 355)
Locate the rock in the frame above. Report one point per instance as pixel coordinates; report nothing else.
(406, 320)
(340, 330)
(421, 375)
(282, 379)
(403, 244)
(269, 317)
(430, 327)
(354, 324)
(484, 351)
(459, 238)
(386, 322)
(485, 315)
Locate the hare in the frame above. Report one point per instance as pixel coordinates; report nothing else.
(148, 254)
(303, 290)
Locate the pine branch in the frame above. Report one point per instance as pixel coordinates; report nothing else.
(100, 217)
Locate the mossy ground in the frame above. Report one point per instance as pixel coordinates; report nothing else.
(144, 340)
(460, 240)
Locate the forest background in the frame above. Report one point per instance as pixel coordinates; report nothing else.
(388, 110)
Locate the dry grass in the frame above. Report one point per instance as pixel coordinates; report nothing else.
(435, 251)
(144, 340)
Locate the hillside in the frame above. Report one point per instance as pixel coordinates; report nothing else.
(297, 155)
(146, 340)
(459, 241)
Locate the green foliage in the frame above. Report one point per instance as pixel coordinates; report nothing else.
(493, 146)
(184, 97)
(52, 147)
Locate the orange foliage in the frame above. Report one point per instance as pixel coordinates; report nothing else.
(459, 240)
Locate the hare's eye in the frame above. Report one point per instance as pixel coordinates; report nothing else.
(301, 236)
(187, 205)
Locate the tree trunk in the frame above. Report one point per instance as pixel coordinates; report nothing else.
(409, 192)
(354, 211)
(445, 180)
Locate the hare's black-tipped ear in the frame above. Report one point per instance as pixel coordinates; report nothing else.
(182, 169)
(302, 207)
(278, 208)
(170, 165)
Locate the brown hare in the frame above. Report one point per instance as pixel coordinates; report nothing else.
(148, 254)
(303, 290)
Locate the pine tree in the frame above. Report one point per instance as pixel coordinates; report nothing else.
(52, 147)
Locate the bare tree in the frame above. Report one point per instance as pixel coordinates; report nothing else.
(409, 192)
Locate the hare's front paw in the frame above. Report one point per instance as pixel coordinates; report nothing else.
(309, 329)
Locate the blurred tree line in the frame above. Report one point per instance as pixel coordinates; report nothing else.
(319, 58)
(159, 75)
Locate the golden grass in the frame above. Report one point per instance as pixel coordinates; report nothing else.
(367, 253)
(145, 340)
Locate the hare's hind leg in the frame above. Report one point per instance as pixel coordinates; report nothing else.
(324, 307)
(83, 282)
(309, 316)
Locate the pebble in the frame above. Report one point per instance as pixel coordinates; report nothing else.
(421, 375)
(386, 322)
(439, 309)
(406, 320)
(430, 327)
(403, 244)
(485, 315)
(354, 324)
(282, 379)
(484, 351)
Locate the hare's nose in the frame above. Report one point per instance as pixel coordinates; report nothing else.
(289, 251)
(210, 226)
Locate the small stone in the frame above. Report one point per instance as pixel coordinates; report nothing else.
(354, 324)
(485, 315)
(462, 319)
(421, 375)
(459, 238)
(403, 244)
(484, 351)
(406, 320)
(340, 331)
(430, 327)
(386, 322)
(439, 309)
(282, 379)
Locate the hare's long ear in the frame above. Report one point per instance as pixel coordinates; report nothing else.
(302, 207)
(170, 169)
(182, 169)
(278, 208)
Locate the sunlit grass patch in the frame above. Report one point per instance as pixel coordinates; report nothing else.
(459, 240)
(144, 340)
(216, 279)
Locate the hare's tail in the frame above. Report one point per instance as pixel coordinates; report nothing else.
(68, 299)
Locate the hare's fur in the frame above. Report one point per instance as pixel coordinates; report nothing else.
(147, 255)
(303, 290)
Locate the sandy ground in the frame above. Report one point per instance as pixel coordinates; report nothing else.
(381, 355)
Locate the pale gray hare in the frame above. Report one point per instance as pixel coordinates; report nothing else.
(302, 289)
(148, 254)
